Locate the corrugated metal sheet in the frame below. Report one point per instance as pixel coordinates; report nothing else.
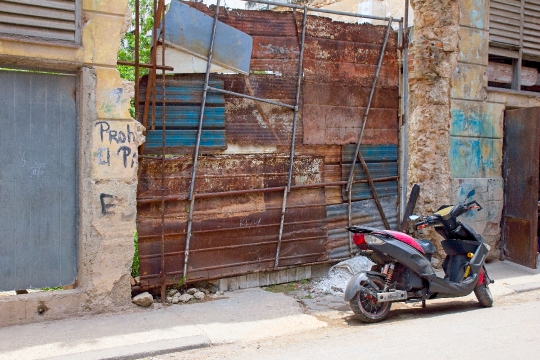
(45, 19)
(381, 161)
(363, 213)
(190, 30)
(231, 234)
(183, 96)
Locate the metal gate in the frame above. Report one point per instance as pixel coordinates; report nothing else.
(38, 201)
(521, 133)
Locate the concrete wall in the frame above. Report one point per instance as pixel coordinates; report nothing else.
(108, 141)
(476, 127)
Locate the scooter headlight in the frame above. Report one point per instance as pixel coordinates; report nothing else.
(373, 240)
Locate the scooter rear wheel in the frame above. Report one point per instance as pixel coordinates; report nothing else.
(365, 306)
(483, 294)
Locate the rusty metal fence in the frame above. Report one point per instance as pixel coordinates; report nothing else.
(301, 202)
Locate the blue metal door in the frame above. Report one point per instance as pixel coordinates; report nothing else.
(38, 197)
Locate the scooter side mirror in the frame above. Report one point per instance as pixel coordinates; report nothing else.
(414, 217)
(471, 193)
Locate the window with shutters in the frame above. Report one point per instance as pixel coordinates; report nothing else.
(514, 44)
(40, 20)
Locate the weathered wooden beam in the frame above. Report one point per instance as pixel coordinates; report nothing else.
(373, 190)
(503, 73)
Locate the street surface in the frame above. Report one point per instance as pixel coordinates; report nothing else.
(446, 329)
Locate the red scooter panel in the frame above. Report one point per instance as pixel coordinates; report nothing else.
(406, 239)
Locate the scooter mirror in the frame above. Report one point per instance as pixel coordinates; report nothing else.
(414, 217)
(471, 193)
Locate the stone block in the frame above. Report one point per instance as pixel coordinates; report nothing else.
(242, 282)
(473, 46)
(474, 13)
(476, 119)
(283, 276)
(318, 271)
(252, 280)
(273, 278)
(117, 7)
(475, 157)
(223, 284)
(101, 35)
(233, 284)
(468, 82)
(264, 279)
(291, 275)
(112, 99)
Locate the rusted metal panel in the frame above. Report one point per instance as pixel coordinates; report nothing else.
(42, 19)
(363, 213)
(520, 219)
(232, 234)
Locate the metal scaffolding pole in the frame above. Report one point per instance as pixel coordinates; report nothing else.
(381, 56)
(198, 143)
(293, 136)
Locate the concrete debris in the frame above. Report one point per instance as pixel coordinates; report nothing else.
(199, 295)
(192, 291)
(185, 298)
(173, 292)
(144, 299)
(340, 274)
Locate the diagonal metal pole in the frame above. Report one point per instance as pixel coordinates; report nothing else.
(373, 190)
(366, 113)
(295, 119)
(198, 143)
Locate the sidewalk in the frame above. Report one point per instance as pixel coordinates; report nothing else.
(244, 315)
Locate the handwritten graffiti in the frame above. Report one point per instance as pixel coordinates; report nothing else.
(107, 202)
(116, 142)
(250, 222)
(38, 169)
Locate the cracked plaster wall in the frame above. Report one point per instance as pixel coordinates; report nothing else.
(108, 142)
(455, 134)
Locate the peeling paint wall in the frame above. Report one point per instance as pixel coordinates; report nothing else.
(455, 132)
(108, 141)
(476, 129)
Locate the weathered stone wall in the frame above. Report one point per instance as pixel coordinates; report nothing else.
(433, 58)
(108, 141)
(455, 135)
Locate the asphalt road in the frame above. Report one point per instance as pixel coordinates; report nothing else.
(453, 329)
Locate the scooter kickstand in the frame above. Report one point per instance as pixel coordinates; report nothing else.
(423, 303)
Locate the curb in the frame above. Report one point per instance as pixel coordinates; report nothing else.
(140, 350)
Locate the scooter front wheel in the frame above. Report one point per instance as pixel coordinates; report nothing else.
(483, 294)
(365, 306)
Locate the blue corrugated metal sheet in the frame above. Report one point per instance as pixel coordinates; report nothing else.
(186, 138)
(190, 30)
(183, 96)
(363, 213)
(381, 161)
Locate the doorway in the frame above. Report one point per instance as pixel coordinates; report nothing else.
(521, 191)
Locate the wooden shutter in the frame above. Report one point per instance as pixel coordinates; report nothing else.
(531, 28)
(514, 25)
(41, 19)
(504, 23)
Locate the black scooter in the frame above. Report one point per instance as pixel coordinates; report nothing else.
(403, 271)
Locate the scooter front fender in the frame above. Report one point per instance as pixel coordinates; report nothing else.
(353, 286)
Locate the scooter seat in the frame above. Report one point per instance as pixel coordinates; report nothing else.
(427, 246)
